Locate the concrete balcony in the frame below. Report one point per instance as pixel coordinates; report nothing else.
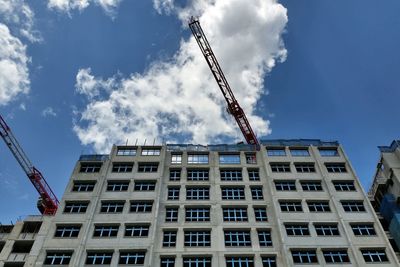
(378, 184)
(27, 236)
(17, 257)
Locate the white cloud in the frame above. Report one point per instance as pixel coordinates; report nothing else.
(109, 6)
(49, 112)
(179, 97)
(14, 73)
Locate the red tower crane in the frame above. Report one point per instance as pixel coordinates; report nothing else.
(48, 202)
(233, 105)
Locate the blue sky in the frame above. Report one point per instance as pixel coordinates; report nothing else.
(330, 70)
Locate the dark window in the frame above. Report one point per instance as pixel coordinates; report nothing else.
(131, 257)
(126, 151)
(122, 167)
(58, 258)
(236, 238)
(145, 185)
(304, 167)
(276, 152)
(268, 261)
(141, 206)
(151, 151)
(374, 255)
(169, 239)
(167, 262)
(297, 229)
(117, 186)
(311, 185)
(233, 193)
(344, 185)
(197, 193)
(67, 231)
(299, 152)
(229, 159)
(327, 229)
(285, 185)
(197, 238)
(197, 175)
(264, 237)
(360, 229)
(197, 261)
(138, 230)
(94, 258)
(174, 174)
(291, 206)
(328, 152)
(353, 206)
(254, 174)
(251, 158)
(336, 167)
(83, 186)
(239, 262)
(75, 207)
(105, 230)
(90, 167)
(173, 192)
(336, 256)
(318, 206)
(148, 167)
(112, 206)
(261, 214)
(257, 192)
(304, 256)
(231, 175)
(280, 167)
(197, 214)
(232, 214)
(171, 214)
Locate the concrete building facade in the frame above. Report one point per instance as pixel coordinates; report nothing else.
(384, 193)
(293, 202)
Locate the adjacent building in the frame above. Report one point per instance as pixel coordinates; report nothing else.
(385, 192)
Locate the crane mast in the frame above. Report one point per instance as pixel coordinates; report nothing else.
(48, 202)
(233, 105)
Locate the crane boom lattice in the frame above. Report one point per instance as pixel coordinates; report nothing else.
(233, 105)
(48, 203)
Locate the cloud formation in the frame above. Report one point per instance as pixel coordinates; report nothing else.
(178, 99)
(109, 6)
(49, 112)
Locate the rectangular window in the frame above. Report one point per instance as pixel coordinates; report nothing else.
(318, 206)
(90, 167)
(76, 207)
(232, 193)
(236, 238)
(374, 255)
(145, 185)
(58, 258)
(131, 257)
(198, 261)
(363, 229)
(291, 206)
(289, 185)
(280, 167)
(336, 256)
(231, 175)
(304, 167)
(83, 186)
(197, 238)
(105, 230)
(328, 152)
(176, 158)
(353, 205)
(336, 167)
(167, 262)
(299, 152)
(126, 151)
(174, 174)
(304, 256)
(239, 262)
(261, 214)
(112, 206)
(151, 151)
(94, 258)
(254, 174)
(169, 239)
(173, 192)
(198, 158)
(197, 214)
(264, 237)
(268, 261)
(117, 186)
(148, 167)
(324, 229)
(171, 214)
(229, 159)
(232, 214)
(311, 185)
(137, 230)
(197, 175)
(67, 231)
(344, 185)
(197, 193)
(276, 152)
(122, 167)
(251, 158)
(141, 206)
(297, 229)
(256, 192)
